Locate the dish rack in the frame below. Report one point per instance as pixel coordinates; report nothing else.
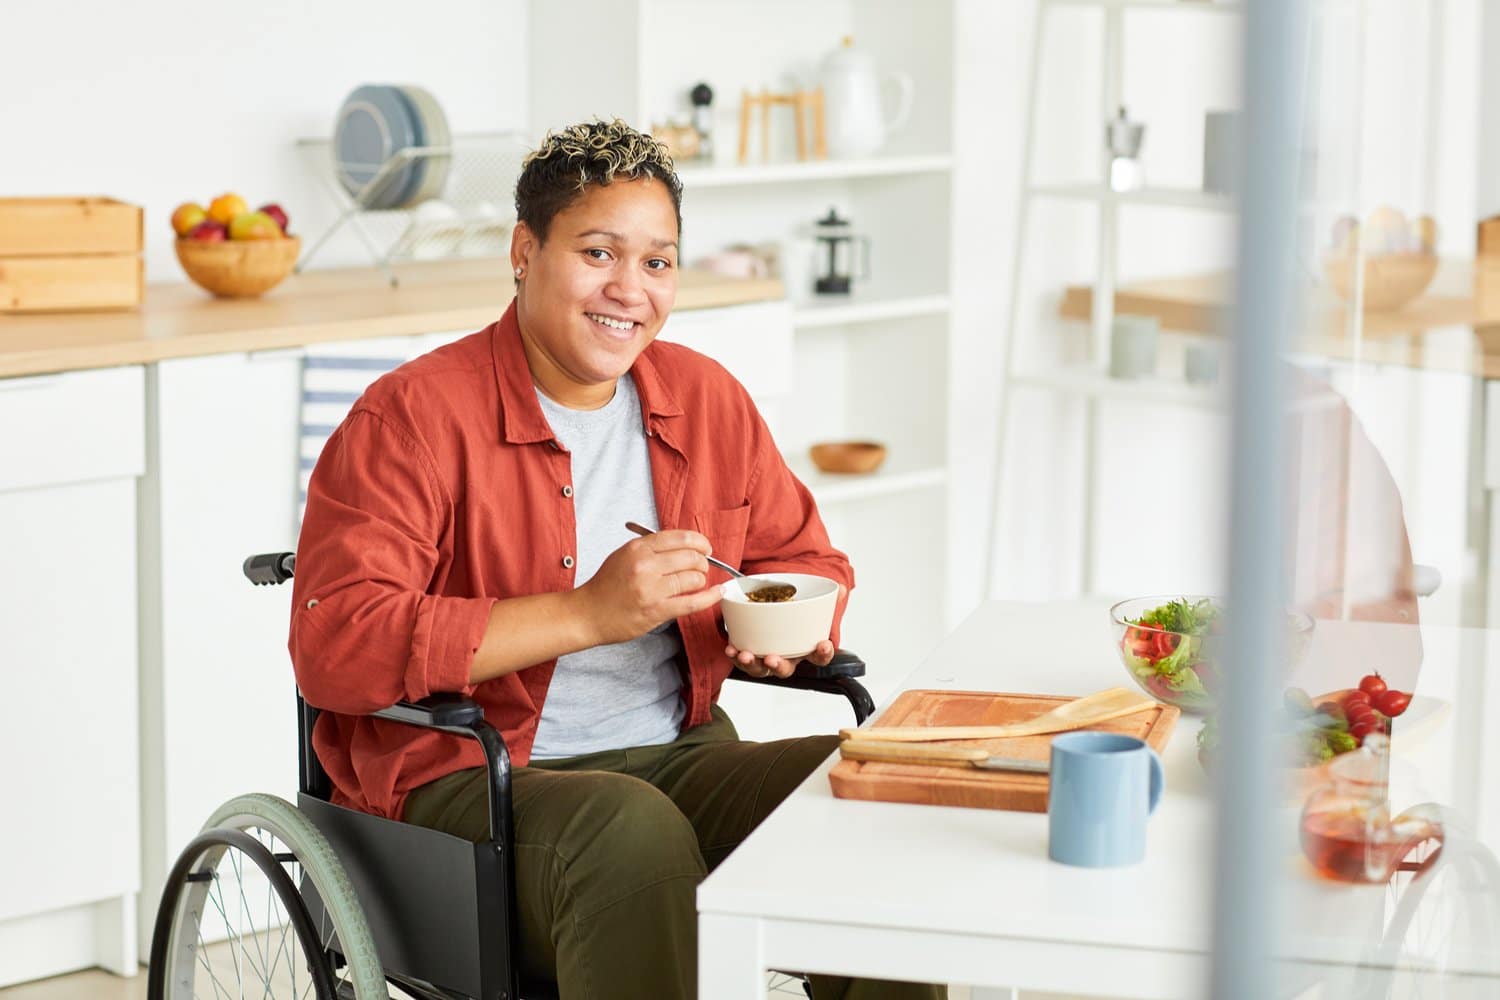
(471, 216)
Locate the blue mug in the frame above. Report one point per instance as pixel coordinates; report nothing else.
(1103, 786)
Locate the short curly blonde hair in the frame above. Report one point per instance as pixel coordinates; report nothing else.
(558, 171)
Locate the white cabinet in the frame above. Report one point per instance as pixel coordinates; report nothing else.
(71, 447)
(875, 365)
(217, 690)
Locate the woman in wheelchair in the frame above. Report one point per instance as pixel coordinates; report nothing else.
(465, 533)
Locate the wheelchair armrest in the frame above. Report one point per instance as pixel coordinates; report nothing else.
(835, 677)
(439, 711)
(453, 713)
(843, 664)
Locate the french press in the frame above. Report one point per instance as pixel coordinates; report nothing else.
(837, 242)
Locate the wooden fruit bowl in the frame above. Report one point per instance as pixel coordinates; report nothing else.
(1391, 280)
(238, 269)
(847, 456)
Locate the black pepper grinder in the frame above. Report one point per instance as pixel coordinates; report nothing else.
(836, 267)
(702, 97)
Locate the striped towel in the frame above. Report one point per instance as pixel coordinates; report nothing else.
(333, 378)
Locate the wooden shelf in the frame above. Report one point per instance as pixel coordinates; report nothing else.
(862, 308)
(811, 170)
(1454, 326)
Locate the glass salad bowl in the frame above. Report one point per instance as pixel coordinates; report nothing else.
(1171, 646)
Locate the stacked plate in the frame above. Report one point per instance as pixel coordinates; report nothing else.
(377, 121)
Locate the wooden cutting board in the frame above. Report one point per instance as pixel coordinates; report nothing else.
(967, 786)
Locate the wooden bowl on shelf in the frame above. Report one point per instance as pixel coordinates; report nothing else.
(236, 269)
(1391, 280)
(847, 457)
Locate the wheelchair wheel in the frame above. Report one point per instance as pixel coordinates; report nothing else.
(267, 943)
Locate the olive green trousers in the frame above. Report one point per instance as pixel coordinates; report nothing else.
(610, 848)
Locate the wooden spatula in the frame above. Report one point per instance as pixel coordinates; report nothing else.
(1086, 711)
(908, 753)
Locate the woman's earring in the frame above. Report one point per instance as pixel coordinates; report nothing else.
(520, 271)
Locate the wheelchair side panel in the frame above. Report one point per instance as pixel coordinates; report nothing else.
(435, 903)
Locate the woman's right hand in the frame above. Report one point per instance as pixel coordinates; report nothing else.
(648, 581)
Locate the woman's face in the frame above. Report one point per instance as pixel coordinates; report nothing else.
(597, 292)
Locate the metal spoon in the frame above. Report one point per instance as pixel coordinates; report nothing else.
(770, 592)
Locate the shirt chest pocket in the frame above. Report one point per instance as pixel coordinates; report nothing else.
(725, 531)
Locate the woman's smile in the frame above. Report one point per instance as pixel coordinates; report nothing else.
(613, 322)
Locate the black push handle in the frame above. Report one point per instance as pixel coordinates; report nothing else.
(270, 567)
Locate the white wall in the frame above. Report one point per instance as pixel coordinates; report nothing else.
(165, 101)
(1487, 117)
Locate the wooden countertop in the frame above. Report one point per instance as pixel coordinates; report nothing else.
(181, 320)
(1454, 326)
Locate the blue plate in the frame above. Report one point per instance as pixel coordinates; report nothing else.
(374, 122)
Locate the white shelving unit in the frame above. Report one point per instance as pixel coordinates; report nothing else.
(1088, 379)
(736, 175)
(873, 365)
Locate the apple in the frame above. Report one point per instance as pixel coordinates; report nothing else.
(254, 226)
(276, 212)
(186, 216)
(226, 206)
(209, 231)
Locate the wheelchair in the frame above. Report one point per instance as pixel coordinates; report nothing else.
(316, 900)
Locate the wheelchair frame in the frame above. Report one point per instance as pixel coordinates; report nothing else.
(440, 927)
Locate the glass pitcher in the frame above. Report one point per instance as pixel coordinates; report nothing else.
(1348, 832)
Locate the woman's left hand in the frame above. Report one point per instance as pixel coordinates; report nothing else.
(778, 666)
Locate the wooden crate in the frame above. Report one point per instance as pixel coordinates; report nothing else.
(1488, 241)
(64, 253)
(38, 227)
(62, 284)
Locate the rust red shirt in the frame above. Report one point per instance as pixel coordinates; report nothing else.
(444, 491)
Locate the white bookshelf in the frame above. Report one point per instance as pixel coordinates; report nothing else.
(873, 365)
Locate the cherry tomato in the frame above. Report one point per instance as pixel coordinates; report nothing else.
(1391, 703)
(1364, 714)
(1372, 684)
(1359, 730)
(1354, 698)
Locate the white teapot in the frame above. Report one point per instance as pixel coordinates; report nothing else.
(856, 121)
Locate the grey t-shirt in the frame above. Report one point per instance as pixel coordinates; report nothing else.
(625, 694)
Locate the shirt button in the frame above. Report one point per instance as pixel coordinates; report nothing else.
(567, 491)
(312, 604)
(567, 562)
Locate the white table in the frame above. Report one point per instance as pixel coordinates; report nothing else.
(952, 895)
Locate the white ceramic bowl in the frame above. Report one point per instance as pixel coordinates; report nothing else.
(786, 628)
